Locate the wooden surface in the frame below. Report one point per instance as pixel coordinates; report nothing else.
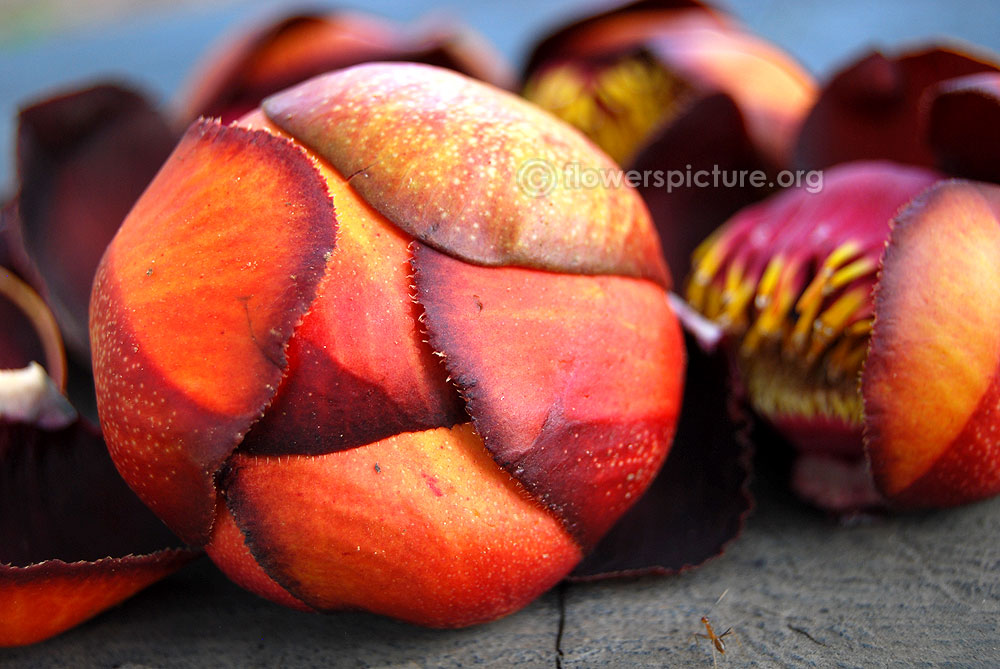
(909, 591)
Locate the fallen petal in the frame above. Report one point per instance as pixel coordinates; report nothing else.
(699, 501)
(83, 159)
(272, 56)
(74, 540)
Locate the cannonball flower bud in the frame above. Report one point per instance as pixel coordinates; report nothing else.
(343, 345)
(624, 75)
(790, 279)
(671, 90)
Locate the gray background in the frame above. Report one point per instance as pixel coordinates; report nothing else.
(919, 590)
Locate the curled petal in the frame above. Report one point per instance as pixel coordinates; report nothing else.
(772, 92)
(83, 159)
(875, 108)
(930, 384)
(623, 76)
(708, 141)
(790, 280)
(30, 330)
(964, 126)
(74, 540)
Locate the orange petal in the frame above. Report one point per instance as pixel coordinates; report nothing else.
(421, 526)
(358, 368)
(931, 385)
(467, 168)
(194, 304)
(625, 25)
(42, 600)
(573, 381)
(772, 91)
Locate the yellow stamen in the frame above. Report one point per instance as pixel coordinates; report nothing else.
(861, 267)
(37, 312)
(837, 317)
(811, 300)
(618, 106)
(707, 259)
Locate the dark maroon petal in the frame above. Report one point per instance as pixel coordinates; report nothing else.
(964, 126)
(875, 108)
(572, 381)
(61, 498)
(699, 501)
(708, 140)
(83, 160)
(74, 539)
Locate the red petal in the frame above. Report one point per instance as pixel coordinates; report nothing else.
(358, 368)
(964, 126)
(422, 526)
(699, 501)
(573, 381)
(931, 383)
(84, 159)
(874, 109)
(194, 304)
(466, 168)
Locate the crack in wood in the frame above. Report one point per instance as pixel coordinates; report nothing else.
(807, 635)
(561, 599)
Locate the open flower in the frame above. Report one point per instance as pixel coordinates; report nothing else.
(801, 281)
(675, 87)
(790, 280)
(269, 327)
